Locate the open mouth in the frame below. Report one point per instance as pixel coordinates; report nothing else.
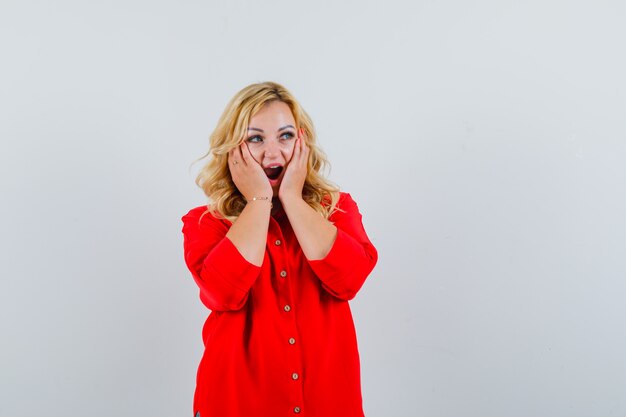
(273, 172)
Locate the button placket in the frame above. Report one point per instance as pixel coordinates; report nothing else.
(276, 245)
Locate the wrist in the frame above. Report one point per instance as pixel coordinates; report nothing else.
(288, 198)
(259, 199)
(258, 194)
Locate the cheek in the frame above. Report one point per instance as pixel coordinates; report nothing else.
(255, 151)
(287, 149)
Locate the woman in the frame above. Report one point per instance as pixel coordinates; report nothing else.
(277, 254)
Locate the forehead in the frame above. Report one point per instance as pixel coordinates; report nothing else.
(273, 112)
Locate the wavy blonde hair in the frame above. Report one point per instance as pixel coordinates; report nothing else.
(214, 178)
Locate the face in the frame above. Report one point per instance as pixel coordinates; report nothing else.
(271, 138)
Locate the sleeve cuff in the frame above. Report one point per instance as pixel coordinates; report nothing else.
(231, 267)
(334, 264)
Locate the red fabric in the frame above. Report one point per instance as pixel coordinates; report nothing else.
(262, 358)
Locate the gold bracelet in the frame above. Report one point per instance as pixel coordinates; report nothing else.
(263, 199)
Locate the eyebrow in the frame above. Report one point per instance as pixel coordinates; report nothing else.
(262, 131)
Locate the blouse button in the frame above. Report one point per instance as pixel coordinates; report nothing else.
(287, 308)
(294, 376)
(292, 341)
(283, 273)
(296, 410)
(277, 243)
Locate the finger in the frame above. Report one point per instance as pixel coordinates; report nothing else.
(303, 135)
(305, 152)
(245, 152)
(303, 144)
(298, 139)
(300, 152)
(304, 155)
(232, 157)
(294, 154)
(286, 153)
(237, 157)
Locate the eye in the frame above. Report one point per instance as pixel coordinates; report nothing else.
(255, 139)
(287, 135)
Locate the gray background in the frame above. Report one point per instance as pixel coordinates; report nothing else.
(485, 142)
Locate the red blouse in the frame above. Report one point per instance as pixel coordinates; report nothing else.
(280, 340)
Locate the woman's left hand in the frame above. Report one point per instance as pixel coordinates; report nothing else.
(296, 171)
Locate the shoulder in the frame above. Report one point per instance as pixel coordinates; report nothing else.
(346, 206)
(196, 213)
(201, 217)
(344, 197)
(197, 210)
(345, 200)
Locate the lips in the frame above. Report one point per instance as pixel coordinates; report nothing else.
(273, 171)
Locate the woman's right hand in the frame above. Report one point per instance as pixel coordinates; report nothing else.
(247, 174)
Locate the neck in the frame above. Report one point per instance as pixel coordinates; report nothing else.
(276, 205)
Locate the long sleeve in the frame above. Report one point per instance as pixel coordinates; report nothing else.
(352, 256)
(222, 273)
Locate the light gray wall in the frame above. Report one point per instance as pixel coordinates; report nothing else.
(485, 142)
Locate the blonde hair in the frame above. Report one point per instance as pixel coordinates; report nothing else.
(214, 178)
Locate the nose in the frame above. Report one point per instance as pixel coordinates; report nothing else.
(272, 150)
